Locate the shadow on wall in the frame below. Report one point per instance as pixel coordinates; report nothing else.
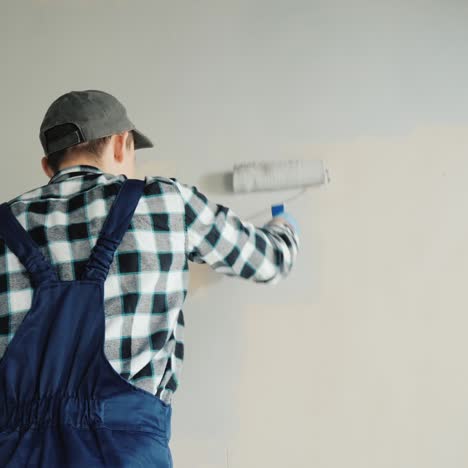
(201, 277)
(217, 183)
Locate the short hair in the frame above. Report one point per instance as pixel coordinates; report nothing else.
(93, 147)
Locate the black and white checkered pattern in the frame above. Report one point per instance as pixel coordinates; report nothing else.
(148, 279)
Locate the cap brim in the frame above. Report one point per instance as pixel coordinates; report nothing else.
(141, 141)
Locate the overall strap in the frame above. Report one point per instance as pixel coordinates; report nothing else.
(23, 246)
(113, 230)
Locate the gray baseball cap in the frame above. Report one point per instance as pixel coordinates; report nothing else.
(81, 116)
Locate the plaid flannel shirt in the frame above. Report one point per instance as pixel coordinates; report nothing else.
(148, 280)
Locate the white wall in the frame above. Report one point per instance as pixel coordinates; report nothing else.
(358, 359)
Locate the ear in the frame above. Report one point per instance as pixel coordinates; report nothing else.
(120, 140)
(126, 136)
(46, 168)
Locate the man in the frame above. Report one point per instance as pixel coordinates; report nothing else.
(93, 277)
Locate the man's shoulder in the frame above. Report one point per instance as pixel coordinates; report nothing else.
(159, 180)
(28, 197)
(161, 184)
(154, 185)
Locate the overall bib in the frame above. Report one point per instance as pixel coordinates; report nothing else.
(61, 402)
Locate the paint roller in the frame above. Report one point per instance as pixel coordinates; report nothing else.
(278, 175)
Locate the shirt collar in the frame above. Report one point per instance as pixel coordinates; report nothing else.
(74, 171)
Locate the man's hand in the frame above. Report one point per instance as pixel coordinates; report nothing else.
(287, 218)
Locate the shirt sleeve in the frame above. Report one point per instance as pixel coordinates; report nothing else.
(218, 237)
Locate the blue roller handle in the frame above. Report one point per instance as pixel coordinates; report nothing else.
(278, 210)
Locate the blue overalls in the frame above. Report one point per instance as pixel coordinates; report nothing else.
(61, 402)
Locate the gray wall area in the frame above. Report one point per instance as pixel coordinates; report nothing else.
(358, 358)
